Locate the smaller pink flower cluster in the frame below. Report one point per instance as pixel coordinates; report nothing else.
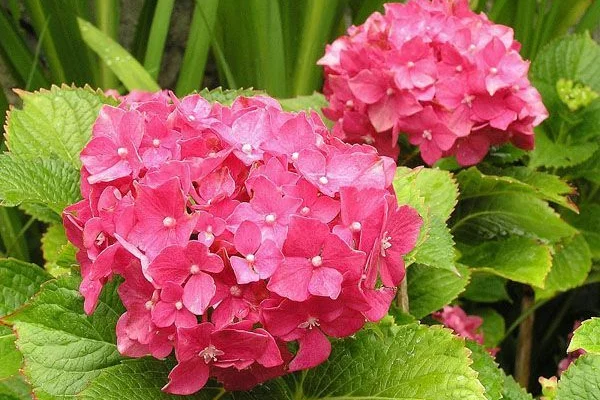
(237, 230)
(466, 326)
(572, 356)
(448, 78)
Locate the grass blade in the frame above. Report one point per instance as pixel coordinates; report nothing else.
(11, 233)
(363, 8)
(591, 18)
(158, 36)
(107, 20)
(319, 19)
(16, 53)
(198, 44)
(142, 30)
(526, 12)
(125, 67)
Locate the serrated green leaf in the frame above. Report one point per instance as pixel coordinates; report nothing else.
(54, 123)
(440, 190)
(124, 66)
(9, 355)
(489, 374)
(429, 289)
(513, 391)
(587, 222)
(64, 349)
(581, 381)
(227, 96)
(497, 206)
(590, 169)
(15, 388)
(18, 282)
(550, 154)
(571, 264)
(409, 362)
(438, 248)
(41, 212)
(139, 379)
(486, 288)
(493, 326)
(587, 337)
(53, 183)
(315, 101)
(58, 252)
(518, 259)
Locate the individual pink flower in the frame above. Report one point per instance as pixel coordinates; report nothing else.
(455, 318)
(170, 309)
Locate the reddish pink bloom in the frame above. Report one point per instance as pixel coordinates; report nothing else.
(455, 318)
(566, 362)
(170, 309)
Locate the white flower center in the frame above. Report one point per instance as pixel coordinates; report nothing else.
(468, 99)
(100, 239)
(385, 244)
(316, 261)
(194, 269)
(349, 104)
(427, 134)
(323, 180)
(410, 64)
(355, 226)
(459, 68)
(250, 258)
(235, 291)
(247, 148)
(493, 70)
(305, 211)
(122, 152)
(149, 304)
(155, 142)
(270, 219)
(310, 323)
(295, 156)
(389, 92)
(179, 305)
(169, 222)
(191, 118)
(210, 353)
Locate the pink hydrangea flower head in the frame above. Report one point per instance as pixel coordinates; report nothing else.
(436, 71)
(241, 232)
(463, 325)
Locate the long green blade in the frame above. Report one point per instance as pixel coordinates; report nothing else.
(125, 67)
(158, 36)
(107, 19)
(17, 54)
(13, 240)
(142, 30)
(197, 46)
(591, 18)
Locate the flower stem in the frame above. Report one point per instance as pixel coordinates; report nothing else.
(525, 340)
(403, 296)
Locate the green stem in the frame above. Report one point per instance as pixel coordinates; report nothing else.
(556, 320)
(522, 317)
(403, 303)
(525, 340)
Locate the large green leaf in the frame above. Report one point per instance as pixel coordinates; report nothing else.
(497, 206)
(589, 170)
(429, 289)
(587, 222)
(54, 123)
(315, 101)
(14, 388)
(139, 379)
(571, 264)
(124, 66)
(227, 96)
(406, 362)
(587, 337)
(64, 349)
(9, 355)
(489, 374)
(486, 288)
(50, 182)
(18, 282)
(518, 259)
(513, 391)
(581, 381)
(551, 154)
(493, 326)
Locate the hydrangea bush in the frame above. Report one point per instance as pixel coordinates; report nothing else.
(229, 245)
(448, 78)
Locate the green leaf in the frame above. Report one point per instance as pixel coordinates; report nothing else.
(139, 379)
(64, 349)
(315, 101)
(408, 362)
(58, 252)
(14, 388)
(433, 193)
(513, 391)
(227, 96)
(571, 265)
(9, 355)
(587, 337)
(53, 183)
(546, 186)
(589, 169)
(124, 66)
(489, 374)
(518, 259)
(581, 381)
(550, 154)
(486, 288)
(41, 212)
(497, 206)
(18, 282)
(587, 222)
(493, 326)
(54, 123)
(429, 289)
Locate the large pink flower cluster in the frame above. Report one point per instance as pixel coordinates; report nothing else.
(238, 230)
(448, 78)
